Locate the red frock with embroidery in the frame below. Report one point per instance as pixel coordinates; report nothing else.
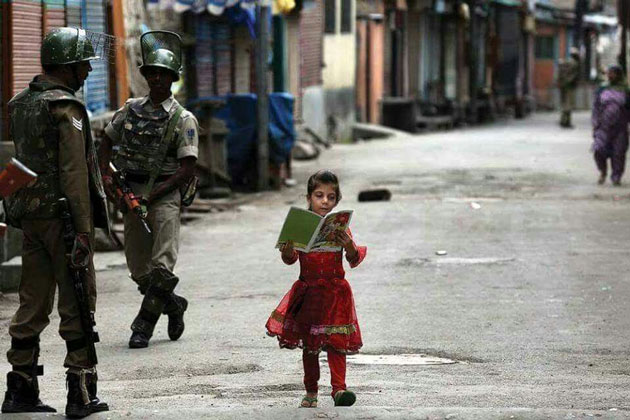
(318, 312)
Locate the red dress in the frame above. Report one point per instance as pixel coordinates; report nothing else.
(318, 312)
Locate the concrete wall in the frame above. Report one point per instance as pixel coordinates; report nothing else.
(339, 74)
(313, 102)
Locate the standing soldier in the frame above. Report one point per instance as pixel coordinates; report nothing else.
(51, 132)
(153, 142)
(569, 75)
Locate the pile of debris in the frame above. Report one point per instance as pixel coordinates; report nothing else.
(308, 144)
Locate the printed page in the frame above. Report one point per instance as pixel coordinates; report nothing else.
(334, 221)
(299, 226)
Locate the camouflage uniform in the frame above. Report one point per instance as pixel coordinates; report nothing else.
(136, 131)
(51, 132)
(569, 72)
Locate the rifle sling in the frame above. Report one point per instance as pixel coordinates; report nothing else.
(166, 141)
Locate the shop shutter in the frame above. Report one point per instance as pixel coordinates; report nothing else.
(203, 62)
(26, 23)
(54, 14)
(213, 56)
(221, 39)
(96, 88)
(508, 30)
(311, 43)
(73, 18)
(73, 13)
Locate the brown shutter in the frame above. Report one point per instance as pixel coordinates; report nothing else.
(54, 14)
(26, 40)
(311, 43)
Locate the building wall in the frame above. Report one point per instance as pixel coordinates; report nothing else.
(339, 74)
(545, 68)
(294, 63)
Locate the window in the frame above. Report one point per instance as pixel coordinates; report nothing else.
(545, 47)
(346, 16)
(330, 16)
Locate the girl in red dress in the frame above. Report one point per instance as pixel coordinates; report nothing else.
(318, 312)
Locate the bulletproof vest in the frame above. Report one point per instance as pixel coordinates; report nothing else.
(36, 141)
(143, 132)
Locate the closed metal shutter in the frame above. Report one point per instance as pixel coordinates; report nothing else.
(26, 22)
(508, 30)
(54, 14)
(96, 88)
(213, 56)
(203, 59)
(222, 37)
(73, 18)
(73, 13)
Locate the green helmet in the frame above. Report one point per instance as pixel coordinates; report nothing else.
(163, 58)
(66, 46)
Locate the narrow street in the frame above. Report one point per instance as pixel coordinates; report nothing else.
(530, 300)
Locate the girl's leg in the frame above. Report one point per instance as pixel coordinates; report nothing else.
(337, 363)
(602, 165)
(311, 371)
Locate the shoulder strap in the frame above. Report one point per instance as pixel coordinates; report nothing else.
(166, 141)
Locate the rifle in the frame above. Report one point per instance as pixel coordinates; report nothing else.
(77, 275)
(124, 191)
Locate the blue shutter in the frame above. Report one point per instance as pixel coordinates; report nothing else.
(97, 85)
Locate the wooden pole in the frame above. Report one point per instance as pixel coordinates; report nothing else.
(118, 21)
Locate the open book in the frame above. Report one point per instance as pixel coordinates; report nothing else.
(309, 231)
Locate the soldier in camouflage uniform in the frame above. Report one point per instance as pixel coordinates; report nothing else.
(156, 167)
(569, 75)
(51, 132)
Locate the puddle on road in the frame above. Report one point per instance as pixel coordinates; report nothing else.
(454, 261)
(398, 359)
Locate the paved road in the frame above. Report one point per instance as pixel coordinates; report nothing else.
(530, 299)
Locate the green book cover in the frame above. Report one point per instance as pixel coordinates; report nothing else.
(310, 231)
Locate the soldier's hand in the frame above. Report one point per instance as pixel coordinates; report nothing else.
(80, 255)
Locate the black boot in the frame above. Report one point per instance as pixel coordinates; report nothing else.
(82, 399)
(22, 396)
(158, 293)
(175, 308)
(138, 340)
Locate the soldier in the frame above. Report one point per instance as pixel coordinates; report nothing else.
(51, 132)
(153, 141)
(569, 75)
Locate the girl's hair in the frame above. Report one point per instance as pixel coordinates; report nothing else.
(323, 176)
(616, 69)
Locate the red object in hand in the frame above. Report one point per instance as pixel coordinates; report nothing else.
(14, 177)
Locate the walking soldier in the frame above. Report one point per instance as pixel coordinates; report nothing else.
(568, 78)
(153, 142)
(51, 132)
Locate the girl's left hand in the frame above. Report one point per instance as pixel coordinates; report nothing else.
(343, 239)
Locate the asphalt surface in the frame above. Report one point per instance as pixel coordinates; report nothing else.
(530, 298)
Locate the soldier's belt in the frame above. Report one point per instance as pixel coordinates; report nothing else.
(143, 179)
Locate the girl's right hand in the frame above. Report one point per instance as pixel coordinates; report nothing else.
(287, 249)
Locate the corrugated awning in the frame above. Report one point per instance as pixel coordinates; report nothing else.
(601, 20)
(216, 7)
